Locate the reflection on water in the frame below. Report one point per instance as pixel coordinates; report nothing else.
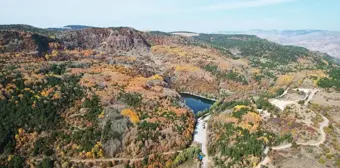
(196, 103)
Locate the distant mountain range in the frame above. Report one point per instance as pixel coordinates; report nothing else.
(316, 40)
(70, 27)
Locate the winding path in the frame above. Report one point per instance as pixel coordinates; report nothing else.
(324, 124)
(264, 162)
(282, 147)
(283, 94)
(282, 104)
(116, 159)
(310, 97)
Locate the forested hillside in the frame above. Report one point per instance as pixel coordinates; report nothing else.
(257, 49)
(110, 97)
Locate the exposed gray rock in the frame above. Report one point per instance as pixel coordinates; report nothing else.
(110, 40)
(114, 127)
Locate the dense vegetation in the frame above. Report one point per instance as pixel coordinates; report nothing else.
(33, 107)
(146, 131)
(114, 106)
(132, 99)
(27, 28)
(237, 145)
(245, 145)
(231, 75)
(252, 46)
(189, 153)
(42, 42)
(333, 81)
(160, 33)
(221, 106)
(263, 103)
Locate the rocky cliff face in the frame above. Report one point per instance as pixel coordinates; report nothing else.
(105, 39)
(14, 41)
(27, 42)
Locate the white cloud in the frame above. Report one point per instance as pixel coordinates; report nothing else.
(242, 4)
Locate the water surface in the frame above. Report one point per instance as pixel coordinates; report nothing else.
(196, 103)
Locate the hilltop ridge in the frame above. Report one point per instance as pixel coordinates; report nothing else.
(315, 40)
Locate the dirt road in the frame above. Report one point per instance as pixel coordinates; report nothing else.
(201, 137)
(116, 159)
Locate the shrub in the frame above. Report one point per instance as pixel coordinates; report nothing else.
(94, 108)
(132, 99)
(108, 133)
(189, 153)
(16, 162)
(46, 163)
(329, 156)
(322, 160)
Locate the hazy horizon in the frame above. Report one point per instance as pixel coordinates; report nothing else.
(191, 15)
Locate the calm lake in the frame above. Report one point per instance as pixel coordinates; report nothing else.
(196, 103)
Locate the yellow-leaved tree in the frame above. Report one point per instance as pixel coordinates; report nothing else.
(55, 53)
(131, 114)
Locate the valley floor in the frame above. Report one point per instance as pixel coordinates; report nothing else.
(200, 136)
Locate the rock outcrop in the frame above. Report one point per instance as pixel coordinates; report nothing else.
(109, 40)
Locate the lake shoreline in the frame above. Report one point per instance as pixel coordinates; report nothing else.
(199, 96)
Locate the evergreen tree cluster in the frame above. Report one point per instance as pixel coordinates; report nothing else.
(333, 81)
(24, 107)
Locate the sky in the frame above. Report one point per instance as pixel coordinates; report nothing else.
(175, 15)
